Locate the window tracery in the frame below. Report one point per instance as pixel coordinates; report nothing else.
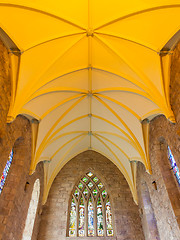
(90, 209)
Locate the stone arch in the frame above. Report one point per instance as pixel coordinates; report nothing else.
(90, 187)
(13, 191)
(125, 210)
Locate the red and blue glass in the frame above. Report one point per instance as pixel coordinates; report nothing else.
(90, 212)
(100, 230)
(72, 222)
(90, 218)
(173, 165)
(81, 218)
(5, 171)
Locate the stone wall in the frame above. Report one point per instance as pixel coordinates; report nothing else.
(166, 199)
(147, 213)
(175, 83)
(55, 212)
(16, 194)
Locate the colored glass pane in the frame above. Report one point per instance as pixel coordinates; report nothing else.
(85, 179)
(85, 192)
(72, 223)
(5, 171)
(99, 218)
(173, 165)
(95, 192)
(80, 186)
(104, 194)
(90, 218)
(90, 184)
(90, 174)
(81, 218)
(100, 185)
(109, 219)
(76, 193)
(95, 179)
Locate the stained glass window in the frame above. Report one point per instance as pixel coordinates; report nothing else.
(85, 192)
(90, 218)
(72, 222)
(80, 186)
(5, 171)
(90, 174)
(90, 209)
(109, 219)
(76, 193)
(95, 192)
(90, 184)
(85, 179)
(81, 218)
(173, 165)
(104, 194)
(95, 179)
(99, 218)
(100, 185)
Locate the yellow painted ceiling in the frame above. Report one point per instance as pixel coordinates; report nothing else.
(90, 72)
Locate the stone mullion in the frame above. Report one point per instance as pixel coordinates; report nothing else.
(77, 217)
(104, 217)
(95, 216)
(86, 218)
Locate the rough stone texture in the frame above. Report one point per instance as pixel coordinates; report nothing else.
(5, 88)
(166, 199)
(14, 199)
(32, 211)
(147, 214)
(55, 212)
(165, 202)
(175, 83)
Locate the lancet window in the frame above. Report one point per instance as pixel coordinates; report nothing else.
(90, 209)
(5, 171)
(173, 165)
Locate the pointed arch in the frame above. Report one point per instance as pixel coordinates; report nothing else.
(90, 212)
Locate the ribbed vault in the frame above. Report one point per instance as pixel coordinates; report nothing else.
(92, 74)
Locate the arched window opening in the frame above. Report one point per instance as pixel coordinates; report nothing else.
(173, 165)
(28, 230)
(6, 170)
(90, 209)
(170, 174)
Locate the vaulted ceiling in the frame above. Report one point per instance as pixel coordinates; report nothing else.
(90, 75)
